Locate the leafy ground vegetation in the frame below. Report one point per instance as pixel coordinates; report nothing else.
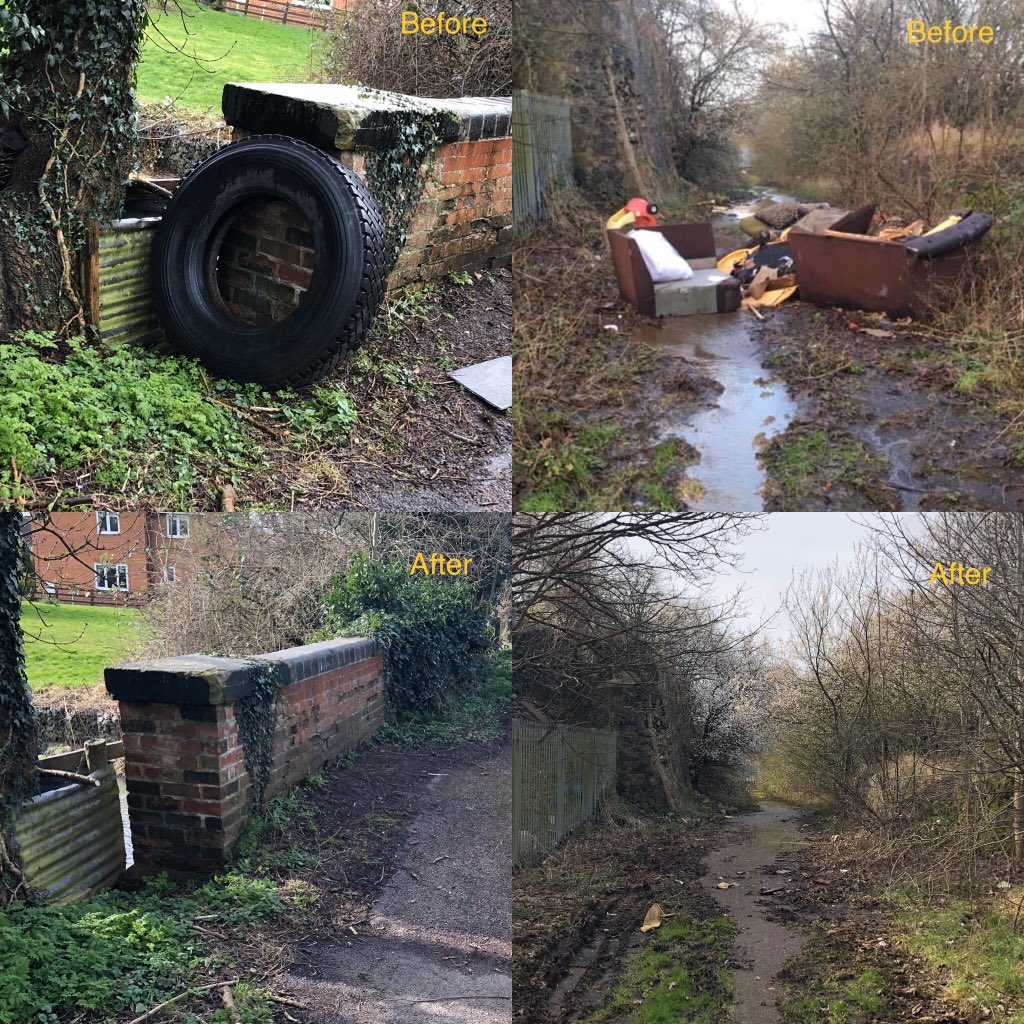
(70, 645)
(120, 424)
(584, 904)
(191, 50)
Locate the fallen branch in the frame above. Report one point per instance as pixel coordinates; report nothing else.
(82, 780)
(229, 1003)
(181, 995)
(285, 1001)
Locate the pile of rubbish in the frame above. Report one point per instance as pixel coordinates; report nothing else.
(777, 214)
(850, 258)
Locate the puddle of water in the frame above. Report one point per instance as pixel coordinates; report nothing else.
(749, 411)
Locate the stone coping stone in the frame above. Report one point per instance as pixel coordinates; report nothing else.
(347, 117)
(203, 679)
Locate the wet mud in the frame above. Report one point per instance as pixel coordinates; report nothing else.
(926, 445)
(803, 411)
(750, 408)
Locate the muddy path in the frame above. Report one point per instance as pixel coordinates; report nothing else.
(804, 410)
(741, 403)
(881, 422)
(749, 864)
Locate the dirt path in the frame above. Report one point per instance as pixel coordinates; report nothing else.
(438, 942)
(762, 945)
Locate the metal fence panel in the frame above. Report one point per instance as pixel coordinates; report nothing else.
(541, 152)
(559, 774)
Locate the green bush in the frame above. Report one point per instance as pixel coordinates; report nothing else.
(432, 633)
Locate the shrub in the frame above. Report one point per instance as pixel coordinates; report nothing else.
(432, 633)
(367, 45)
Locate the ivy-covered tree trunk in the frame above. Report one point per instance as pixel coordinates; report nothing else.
(67, 144)
(19, 741)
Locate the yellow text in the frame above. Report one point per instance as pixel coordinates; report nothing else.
(920, 32)
(442, 25)
(439, 565)
(959, 574)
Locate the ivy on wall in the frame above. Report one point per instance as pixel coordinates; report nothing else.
(18, 735)
(398, 175)
(256, 715)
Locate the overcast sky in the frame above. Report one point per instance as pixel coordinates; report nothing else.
(798, 17)
(788, 544)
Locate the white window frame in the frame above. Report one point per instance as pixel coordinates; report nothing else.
(108, 524)
(170, 575)
(100, 570)
(175, 522)
(314, 5)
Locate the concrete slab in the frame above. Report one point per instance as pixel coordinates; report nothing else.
(491, 380)
(349, 117)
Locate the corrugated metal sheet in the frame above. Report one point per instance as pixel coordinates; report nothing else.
(125, 307)
(71, 838)
(541, 152)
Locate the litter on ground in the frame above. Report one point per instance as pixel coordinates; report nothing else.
(857, 259)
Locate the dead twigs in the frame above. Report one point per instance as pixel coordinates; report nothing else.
(82, 780)
(150, 1014)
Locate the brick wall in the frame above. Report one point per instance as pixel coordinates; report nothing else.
(463, 220)
(265, 263)
(189, 794)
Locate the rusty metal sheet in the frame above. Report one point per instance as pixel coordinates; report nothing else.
(867, 273)
(125, 310)
(71, 838)
(844, 267)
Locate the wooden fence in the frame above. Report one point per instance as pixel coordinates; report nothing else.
(308, 15)
(541, 152)
(559, 774)
(80, 595)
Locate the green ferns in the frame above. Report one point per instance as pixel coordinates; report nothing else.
(111, 953)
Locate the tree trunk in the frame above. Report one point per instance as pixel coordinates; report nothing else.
(1018, 816)
(68, 97)
(19, 742)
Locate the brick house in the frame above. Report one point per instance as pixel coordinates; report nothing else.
(108, 557)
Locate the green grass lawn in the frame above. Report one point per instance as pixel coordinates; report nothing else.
(71, 645)
(230, 48)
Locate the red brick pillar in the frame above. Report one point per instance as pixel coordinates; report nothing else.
(188, 788)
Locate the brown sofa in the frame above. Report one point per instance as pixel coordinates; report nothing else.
(708, 291)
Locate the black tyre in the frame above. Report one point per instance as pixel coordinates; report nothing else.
(334, 313)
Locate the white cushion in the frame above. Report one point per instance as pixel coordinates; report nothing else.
(663, 261)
